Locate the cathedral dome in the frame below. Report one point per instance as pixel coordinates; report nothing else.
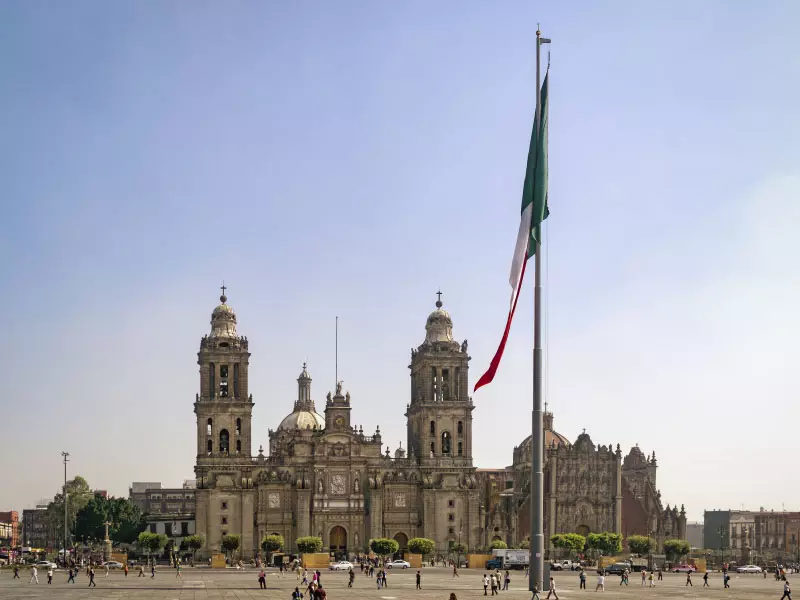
(439, 326)
(303, 419)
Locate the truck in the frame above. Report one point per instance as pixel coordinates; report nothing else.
(508, 559)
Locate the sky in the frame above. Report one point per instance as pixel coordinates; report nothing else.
(350, 159)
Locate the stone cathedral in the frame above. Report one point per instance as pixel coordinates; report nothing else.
(324, 477)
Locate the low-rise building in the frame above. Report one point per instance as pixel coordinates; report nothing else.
(170, 511)
(9, 529)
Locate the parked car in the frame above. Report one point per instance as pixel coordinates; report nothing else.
(112, 564)
(46, 564)
(748, 569)
(683, 569)
(617, 568)
(342, 565)
(398, 564)
(562, 565)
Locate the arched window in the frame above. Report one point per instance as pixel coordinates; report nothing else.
(460, 428)
(445, 442)
(209, 447)
(224, 440)
(433, 449)
(460, 449)
(433, 427)
(238, 427)
(238, 446)
(208, 426)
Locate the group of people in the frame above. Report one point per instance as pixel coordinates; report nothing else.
(496, 582)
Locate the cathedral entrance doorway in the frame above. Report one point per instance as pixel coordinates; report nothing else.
(582, 530)
(402, 541)
(338, 541)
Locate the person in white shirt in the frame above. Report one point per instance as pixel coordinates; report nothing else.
(34, 574)
(601, 584)
(485, 584)
(552, 589)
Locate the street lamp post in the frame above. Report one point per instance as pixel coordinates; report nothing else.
(66, 525)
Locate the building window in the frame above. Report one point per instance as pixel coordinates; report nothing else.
(184, 529)
(451, 517)
(211, 379)
(209, 447)
(460, 428)
(460, 449)
(152, 525)
(451, 530)
(433, 427)
(238, 427)
(224, 520)
(168, 529)
(224, 441)
(208, 426)
(433, 448)
(238, 446)
(236, 380)
(224, 506)
(451, 503)
(224, 533)
(223, 389)
(445, 442)
(223, 371)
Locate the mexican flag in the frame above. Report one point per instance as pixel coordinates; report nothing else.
(534, 210)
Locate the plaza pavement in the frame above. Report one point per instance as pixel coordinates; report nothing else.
(437, 583)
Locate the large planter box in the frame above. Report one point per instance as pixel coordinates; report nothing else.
(318, 560)
(477, 561)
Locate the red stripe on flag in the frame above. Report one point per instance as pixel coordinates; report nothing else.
(490, 372)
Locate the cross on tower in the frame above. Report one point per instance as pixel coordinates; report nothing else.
(439, 294)
(223, 288)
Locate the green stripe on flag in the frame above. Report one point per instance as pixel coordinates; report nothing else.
(535, 187)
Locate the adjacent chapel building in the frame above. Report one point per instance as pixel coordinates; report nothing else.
(321, 476)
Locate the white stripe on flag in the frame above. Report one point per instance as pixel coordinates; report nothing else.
(520, 250)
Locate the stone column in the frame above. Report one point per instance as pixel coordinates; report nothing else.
(303, 513)
(618, 495)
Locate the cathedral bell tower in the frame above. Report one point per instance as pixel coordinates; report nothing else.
(439, 416)
(223, 407)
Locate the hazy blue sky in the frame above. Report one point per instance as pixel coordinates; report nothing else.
(350, 158)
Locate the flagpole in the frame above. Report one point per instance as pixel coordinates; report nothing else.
(536, 575)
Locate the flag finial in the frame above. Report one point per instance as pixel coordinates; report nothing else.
(439, 299)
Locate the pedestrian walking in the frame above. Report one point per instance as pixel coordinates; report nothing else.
(71, 578)
(493, 583)
(660, 575)
(787, 591)
(644, 575)
(705, 579)
(689, 579)
(601, 583)
(351, 577)
(297, 594)
(419, 580)
(107, 569)
(485, 584)
(178, 570)
(34, 575)
(651, 579)
(726, 580)
(16, 572)
(91, 578)
(125, 569)
(152, 571)
(262, 580)
(552, 589)
(49, 575)
(506, 580)
(499, 579)
(320, 594)
(141, 570)
(582, 579)
(455, 571)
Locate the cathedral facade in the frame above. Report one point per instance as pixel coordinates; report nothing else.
(324, 477)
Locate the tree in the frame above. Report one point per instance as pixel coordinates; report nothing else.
(674, 549)
(607, 543)
(524, 545)
(151, 543)
(421, 546)
(125, 517)
(230, 544)
(571, 542)
(458, 550)
(639, 544)
(193, 543)
(78, 494)
(384, 546)
(272, 543)
(498, 545)
(309, 544)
